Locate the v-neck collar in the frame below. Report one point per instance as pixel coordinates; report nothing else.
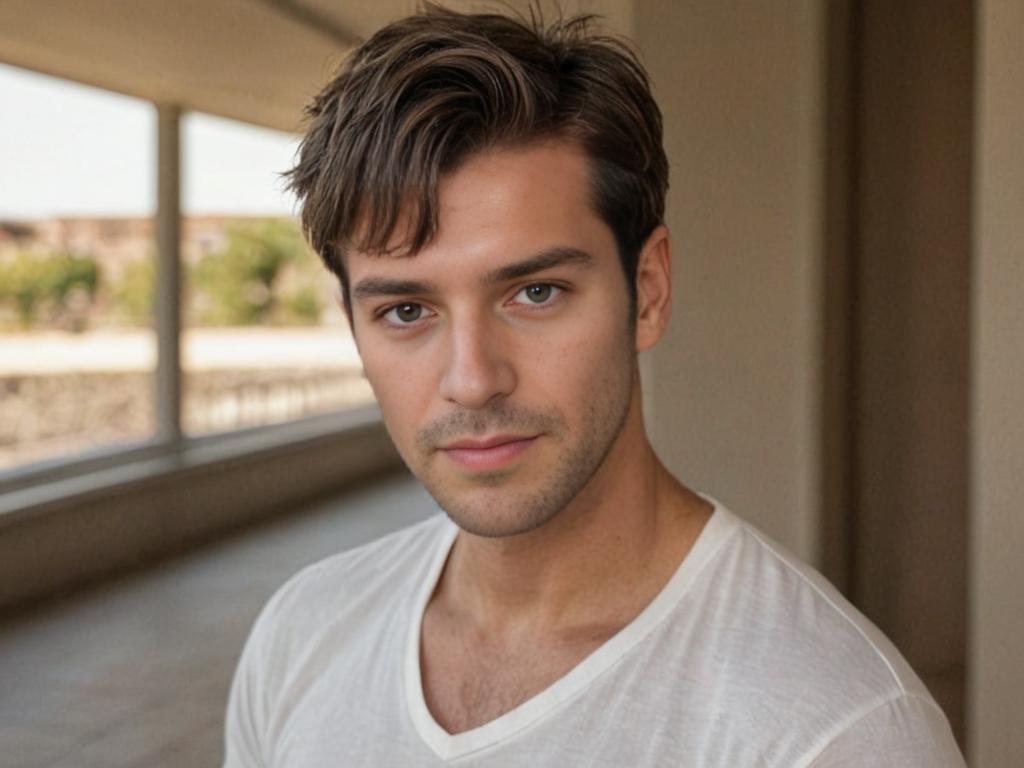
(449, 746)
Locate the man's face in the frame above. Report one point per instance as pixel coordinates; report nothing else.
(502, 354)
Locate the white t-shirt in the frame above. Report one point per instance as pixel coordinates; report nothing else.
(745, 658)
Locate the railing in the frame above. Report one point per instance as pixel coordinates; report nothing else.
(45, 415)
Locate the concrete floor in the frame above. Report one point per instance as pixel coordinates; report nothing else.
(136, 672)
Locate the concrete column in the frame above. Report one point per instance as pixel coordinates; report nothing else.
(996, 639)
(168, 274)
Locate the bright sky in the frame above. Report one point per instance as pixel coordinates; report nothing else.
(69, 149)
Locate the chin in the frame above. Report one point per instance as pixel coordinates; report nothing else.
(500, 514)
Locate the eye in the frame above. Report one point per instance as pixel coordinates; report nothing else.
(537, 293)
(406, 313)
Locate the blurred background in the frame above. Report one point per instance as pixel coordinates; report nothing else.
(183, 418)
(263, 336)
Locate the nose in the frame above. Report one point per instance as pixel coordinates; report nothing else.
(477, 366)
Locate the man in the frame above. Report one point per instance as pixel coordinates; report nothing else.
(490, 194)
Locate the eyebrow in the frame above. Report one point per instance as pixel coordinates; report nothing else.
(371, 287)
(552, 257)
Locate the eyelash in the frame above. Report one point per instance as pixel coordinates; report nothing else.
(557, 291)
(381, 315)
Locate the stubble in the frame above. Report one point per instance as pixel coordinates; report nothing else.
(525, 497)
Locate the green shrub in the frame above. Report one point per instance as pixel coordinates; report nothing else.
(302, 306)
(134, 292)
(239, 284)
(62, 284)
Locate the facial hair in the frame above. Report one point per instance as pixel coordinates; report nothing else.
(507, 502)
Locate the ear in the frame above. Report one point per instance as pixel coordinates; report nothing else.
(653, 289)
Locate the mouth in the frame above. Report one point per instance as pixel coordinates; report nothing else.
(488, 454)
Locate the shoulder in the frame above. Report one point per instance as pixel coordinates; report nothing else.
(339, 584)
(815, 634)
(334, 602)
(340, 596)
(906, 731)
(814, 668)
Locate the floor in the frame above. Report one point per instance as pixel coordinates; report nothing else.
(136, 672)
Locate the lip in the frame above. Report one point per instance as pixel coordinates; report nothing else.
(488, 454)
(490, 442)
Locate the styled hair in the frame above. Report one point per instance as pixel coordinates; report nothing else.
(428, 91)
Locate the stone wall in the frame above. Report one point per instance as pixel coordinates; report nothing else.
(50, 415)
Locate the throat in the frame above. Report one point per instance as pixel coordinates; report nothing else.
(469, 682)
(495, 636)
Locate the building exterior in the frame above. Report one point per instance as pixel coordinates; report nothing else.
(114, 241)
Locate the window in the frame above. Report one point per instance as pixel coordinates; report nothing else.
(77, 347)
(265, 339)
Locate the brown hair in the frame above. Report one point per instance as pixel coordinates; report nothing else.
(425, 92)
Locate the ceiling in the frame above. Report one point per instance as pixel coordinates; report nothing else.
(258, 61)
(254, 60)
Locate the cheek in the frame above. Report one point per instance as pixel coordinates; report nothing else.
(403, 387)
(578, 365)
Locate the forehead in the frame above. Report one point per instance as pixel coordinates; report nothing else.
(500, 205)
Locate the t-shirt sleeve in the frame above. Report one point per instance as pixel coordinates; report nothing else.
(246, 712)
(906, 732)
(259, 671)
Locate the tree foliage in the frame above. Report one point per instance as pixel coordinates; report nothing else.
(134, 292)
(244, 282)
(60, 285)
(264, 273)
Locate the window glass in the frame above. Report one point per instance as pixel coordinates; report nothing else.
(265, 339)
(77, 348)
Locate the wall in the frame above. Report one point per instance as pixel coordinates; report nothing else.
(734, 387)
(996, 659)
(839, 428)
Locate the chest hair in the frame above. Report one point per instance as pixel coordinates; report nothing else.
(468, 683)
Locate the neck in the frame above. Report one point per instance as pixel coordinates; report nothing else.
(596, 564)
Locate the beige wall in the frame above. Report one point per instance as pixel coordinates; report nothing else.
(996, 659)
(733, 389)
